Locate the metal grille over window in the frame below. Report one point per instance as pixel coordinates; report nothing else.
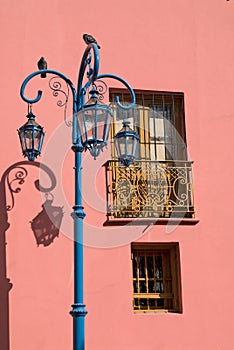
(159, 182)
(155, 271)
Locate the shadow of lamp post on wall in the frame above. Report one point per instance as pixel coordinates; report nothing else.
(90, 131)
(10, 184)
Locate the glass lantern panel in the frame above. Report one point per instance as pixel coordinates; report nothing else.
(82, 125)
(38, 135)
(121, 147)
(104, 121)
(126, 146)
(94, 124)
(28, 138)
(135, 147)
(22, 140)
(91, 125)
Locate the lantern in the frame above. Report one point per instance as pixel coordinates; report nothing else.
(94, 121)
(31, 137)
(126, 142)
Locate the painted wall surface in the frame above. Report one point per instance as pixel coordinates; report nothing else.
(167, 45)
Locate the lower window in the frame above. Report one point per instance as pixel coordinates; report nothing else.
(156, 277)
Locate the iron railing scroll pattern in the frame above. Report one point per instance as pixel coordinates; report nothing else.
(150, 189)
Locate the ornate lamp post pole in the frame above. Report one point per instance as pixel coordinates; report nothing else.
(91, 126)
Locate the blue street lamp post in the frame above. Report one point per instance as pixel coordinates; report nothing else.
(90, 130)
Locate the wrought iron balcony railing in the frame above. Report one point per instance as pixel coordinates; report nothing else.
(150, 189)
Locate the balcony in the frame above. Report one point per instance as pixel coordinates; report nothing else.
(150, 190)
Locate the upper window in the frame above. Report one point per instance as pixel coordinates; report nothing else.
(158, 184)
(156, 277)
(158, 118)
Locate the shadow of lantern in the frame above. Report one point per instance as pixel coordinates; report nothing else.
(47, 223)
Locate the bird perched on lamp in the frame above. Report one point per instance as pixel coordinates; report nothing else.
(42, 64)
(89, 39)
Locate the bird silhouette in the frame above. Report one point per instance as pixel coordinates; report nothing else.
(89, 39)
(42, 64)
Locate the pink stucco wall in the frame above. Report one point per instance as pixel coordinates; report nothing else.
(167, 45)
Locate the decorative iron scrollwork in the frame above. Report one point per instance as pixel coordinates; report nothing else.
(150, 189)
(101, 87)
(58, 90)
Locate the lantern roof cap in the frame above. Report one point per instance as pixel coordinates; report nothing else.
(126, 130)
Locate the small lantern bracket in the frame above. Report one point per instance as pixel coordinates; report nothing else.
(29, 108)
(94, 93)
(30, 114)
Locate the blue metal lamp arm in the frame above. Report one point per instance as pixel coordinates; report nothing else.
(39, 94)
(91, 73)
(112, 76)
(75, 138)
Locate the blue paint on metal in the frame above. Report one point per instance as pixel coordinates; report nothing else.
(92, 72)
(39, 94)
(112, 76)
(78, 312)
(90, 62)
